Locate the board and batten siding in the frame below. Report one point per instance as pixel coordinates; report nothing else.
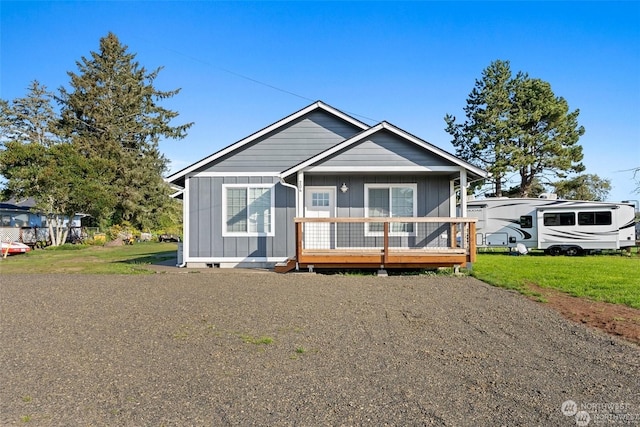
(205, 221)
(433, 192)
(290, 145)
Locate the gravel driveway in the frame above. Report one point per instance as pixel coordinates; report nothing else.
(238, 347)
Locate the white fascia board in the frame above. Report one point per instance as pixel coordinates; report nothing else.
(233, 174)
(265, 131)
(324, 169)
(177, 194)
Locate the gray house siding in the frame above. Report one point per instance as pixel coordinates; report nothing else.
(386, 149)
(433, 194)
(290, 145)
(205, 238)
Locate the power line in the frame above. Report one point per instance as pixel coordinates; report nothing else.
(251, 79)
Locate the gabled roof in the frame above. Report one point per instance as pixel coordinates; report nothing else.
(13, 204)
(318, 105)
(473, 170)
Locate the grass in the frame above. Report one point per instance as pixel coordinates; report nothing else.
(611, 278)
(79, 259)
(248, 339)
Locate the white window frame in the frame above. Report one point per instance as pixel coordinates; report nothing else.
(390, 186)
(271, 232)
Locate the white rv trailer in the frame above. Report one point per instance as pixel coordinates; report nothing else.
(557, 226)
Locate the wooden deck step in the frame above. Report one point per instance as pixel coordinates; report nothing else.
(286, 266)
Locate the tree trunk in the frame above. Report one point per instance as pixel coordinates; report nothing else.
(57, 232)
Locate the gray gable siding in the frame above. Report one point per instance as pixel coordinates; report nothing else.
(205, 221)
(385, 149)
(290, 145)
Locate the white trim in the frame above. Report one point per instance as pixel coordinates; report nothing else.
(177, 194)
(367, 186)
(247, 233)
(452, 198)
(319, 188)
(332, 150)
(322, 168)
(232, 174)
(216, 260)
(463, 193)
(395, 130)
(321, 229)
(300, 195)
(282, 122)
(185, 220)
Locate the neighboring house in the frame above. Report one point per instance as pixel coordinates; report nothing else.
(18, 222)
(19, 214)
(321, 174)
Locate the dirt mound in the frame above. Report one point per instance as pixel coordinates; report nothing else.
(615, 319)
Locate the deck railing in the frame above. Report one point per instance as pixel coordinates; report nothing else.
(392, 242)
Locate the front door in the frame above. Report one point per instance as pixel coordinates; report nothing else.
(320, 202)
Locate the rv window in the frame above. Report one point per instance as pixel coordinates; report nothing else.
(526, 221)
(552, 219)
(594, 218)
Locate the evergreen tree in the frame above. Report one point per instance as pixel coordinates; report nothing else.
(36, 163)
(484, 139)
(537, 189)
(583, 187)
(112, 116)
(546, 134)
(517, 125)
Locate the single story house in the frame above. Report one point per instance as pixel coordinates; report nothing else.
(321, 188)
(21, 223)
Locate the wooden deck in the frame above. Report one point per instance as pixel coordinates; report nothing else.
(459, 251)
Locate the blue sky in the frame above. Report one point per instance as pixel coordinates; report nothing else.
(243, 65)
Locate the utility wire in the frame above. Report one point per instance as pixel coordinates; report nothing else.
(242, 76)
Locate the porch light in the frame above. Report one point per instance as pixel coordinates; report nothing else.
(344, 187)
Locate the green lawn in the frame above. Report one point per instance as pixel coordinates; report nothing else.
(130, 259)
(612, 278)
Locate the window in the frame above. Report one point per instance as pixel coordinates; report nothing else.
(526, 221)
(247, 210)
(561, 219)
(320, 199)
(594, 218)
(390, 200)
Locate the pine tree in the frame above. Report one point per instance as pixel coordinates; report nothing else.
(517, 125)
(583, 187)
(113, 118)
(546, 134)
(485, 138)
(37, 164)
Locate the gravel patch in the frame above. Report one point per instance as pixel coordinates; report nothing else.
(239, 347)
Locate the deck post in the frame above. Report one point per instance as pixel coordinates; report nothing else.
(298, 241)
(452, 233)
(472, 242)
(385, 250)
